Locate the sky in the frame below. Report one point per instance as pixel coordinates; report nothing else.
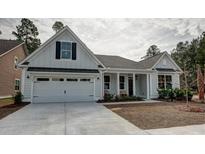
(129, 38)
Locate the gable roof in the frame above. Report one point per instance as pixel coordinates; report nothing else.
(148, 63)
(66, 28)
(7, 45)
(117, 62)
(120, 62)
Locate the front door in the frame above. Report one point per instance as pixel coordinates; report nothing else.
(130, 86)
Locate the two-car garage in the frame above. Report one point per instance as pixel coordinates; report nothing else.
(63, 89)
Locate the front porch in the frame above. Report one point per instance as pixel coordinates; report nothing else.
(127, 84)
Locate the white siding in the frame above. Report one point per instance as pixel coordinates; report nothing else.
(113, 83)
(27, 87)
(142, 85)
(165, 62)
(175, 81)
(154, 85)
(47, 56)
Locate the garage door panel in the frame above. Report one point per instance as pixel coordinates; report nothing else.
(63, 91)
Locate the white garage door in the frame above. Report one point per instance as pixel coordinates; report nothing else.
(63, 89)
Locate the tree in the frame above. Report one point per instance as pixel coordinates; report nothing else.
(58, 25)
(28, 33)
(152, 50)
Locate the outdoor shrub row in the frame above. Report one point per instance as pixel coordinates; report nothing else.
(112, 98)
(178, 94)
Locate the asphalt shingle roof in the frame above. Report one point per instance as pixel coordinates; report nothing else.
(6, 45)
(120, 62)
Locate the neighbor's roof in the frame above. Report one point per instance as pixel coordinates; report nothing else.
(120, 62)
(6, 45)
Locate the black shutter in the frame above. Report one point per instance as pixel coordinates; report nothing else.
(74, 51)
(58, 48)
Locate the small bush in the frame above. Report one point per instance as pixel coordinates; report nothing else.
(163, 93)
(108, 97)
(18, 98)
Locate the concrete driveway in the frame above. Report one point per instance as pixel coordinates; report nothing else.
(66, 118)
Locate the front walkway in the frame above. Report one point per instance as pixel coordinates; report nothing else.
(66, 118)
(184, 130)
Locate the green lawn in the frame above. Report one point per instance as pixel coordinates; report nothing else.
(6, 101)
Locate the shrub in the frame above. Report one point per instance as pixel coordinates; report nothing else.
(108, 97)
(18, 98)
(179, 93)
(163, 93)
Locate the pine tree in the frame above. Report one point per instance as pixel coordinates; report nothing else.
(28, 33)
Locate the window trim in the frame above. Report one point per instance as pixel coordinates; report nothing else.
(65, 50)
(165, 81)
(107, 82)
(16, 79)
(121, 82)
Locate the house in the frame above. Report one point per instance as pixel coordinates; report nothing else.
(64, 69)
(11, 53)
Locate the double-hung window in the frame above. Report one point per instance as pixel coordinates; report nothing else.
(122, 82)
(164, 81)
(17, 84)
(66, 50)
(107, 82)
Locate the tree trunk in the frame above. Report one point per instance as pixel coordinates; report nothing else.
(200, 83)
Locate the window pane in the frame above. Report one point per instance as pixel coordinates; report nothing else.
(122, 86)
(57, 79)
(168, 81)
(75, 80)
(106, 85)
(17, 85)
(65, 54)
(122, 79)
(84, 79)
(161, 81)
(42, 79)
(66, 45)
(106, 78)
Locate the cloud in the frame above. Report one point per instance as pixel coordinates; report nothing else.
(129, 38)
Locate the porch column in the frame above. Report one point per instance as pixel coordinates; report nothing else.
(102, 84)
(148, 86)
(118, 84)
(134, 85)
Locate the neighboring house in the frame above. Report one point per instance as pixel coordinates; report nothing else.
(11, 53)
(63, 69)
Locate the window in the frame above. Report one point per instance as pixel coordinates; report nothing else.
(57, 79)
(72, 80)
(17, 84)
(107, 82)
(161, 81)
(122, 82)
(15, 62)
(168, 81)
(66, 50)
(42, 79)
(164, 81)
(84, 79)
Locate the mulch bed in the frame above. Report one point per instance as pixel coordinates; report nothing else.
(8, 109)
(160, 115)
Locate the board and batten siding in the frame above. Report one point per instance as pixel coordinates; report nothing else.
(165, 62)
(47, 57)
